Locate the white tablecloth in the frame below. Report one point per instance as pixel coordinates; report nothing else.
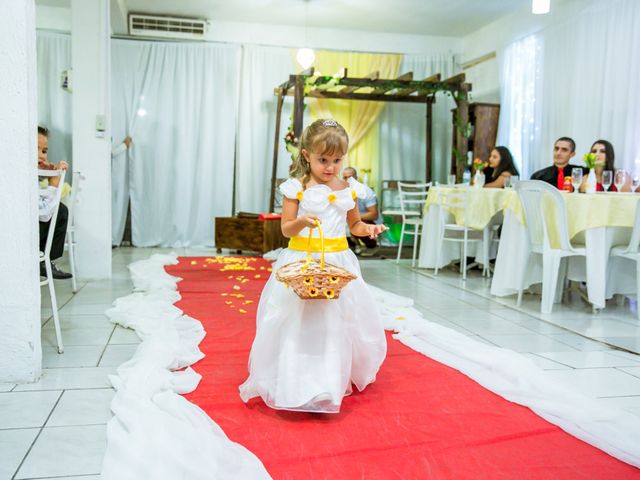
(604, 277)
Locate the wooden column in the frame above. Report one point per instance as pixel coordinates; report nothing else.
(298, 103)
(276, 141)
(462, 143)
(429, 139)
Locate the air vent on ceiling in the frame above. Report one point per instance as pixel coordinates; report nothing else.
(166, 27)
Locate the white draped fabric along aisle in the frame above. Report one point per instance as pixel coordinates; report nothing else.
(156, 433)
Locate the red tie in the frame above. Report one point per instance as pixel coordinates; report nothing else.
(560, 178)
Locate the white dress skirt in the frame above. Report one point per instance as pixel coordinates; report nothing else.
(307, 354)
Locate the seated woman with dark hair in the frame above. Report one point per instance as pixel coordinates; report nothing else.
(502, 167)
(605, 161)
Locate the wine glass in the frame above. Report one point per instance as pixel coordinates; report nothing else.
(507, 181)
(576, 178)
(620, 179)
(451, 179)
(607, 180)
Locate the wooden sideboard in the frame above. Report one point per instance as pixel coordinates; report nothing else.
(248, 234)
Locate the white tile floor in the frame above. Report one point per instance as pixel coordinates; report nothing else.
(55, 428)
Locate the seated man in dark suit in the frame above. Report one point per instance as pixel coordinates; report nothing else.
(559, 174)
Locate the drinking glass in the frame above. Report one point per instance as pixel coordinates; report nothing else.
(620, 179)
(451, 179)
(635, 183)
(507, 182)
(607, 180)
(576, 179)
(514, 179)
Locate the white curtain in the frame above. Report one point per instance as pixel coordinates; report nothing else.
(588, 86)
(520, 102)
(403, 126)
(54, 103)
(178, 102)
(263, 69)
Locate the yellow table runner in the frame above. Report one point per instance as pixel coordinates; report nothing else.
(483, 204)
(594, 210)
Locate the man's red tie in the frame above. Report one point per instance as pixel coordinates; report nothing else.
(560, 178)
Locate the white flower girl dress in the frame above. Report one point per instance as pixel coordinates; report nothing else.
(308, 353)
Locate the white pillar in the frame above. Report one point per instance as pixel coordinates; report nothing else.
(20, 349)
(90, 52)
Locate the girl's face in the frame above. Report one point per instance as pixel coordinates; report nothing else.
(494, 159)
(323, 166)
(43, 148)
(599, 150)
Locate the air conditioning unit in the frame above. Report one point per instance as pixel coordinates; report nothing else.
(143, 25)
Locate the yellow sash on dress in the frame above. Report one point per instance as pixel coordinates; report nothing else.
(302, 244)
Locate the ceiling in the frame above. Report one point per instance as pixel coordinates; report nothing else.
(424, 17)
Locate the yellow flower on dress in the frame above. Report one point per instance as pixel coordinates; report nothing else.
(353, 194)
(300, 195)
(308, 280)
(313, 292)
(334, 279)
(332, 198)
(329, 294)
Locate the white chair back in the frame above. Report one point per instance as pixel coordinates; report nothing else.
(413, 196)
(49, 174)
(455, 200)
(532, 193)
(634, 242)
(76, 188)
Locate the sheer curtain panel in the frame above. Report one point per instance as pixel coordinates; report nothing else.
(178, 101)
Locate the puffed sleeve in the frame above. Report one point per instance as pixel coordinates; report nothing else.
(358, 190)
(291, 188)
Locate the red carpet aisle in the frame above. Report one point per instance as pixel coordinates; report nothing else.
(419, 420)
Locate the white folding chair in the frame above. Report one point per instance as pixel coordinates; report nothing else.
(45, 256)
(451, 232)
(532, 195)
(70, 240)
(631, 252)
(413, 197)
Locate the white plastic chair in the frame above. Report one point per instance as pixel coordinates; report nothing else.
(45, 256)
(70, 240)
(413, 197)
(631, 252)
(532, 193)
(458, 199)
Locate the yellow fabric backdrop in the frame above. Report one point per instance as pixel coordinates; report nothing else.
(357, 117)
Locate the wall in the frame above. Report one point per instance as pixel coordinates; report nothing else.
(499, 34)
(20, 349)
(54, 18)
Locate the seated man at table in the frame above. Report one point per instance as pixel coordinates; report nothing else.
(369, 213)
(559, 174)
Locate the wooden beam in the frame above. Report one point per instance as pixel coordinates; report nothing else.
(308, 72)
(478, 60)
(298, 105)
(375, 97)
(460, 78)
(405, 76)
(433, 78)
(274, 165)
(372, 76)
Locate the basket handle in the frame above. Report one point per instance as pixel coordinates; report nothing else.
(309, 257)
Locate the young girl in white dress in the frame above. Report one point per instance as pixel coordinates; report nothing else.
(307, 353)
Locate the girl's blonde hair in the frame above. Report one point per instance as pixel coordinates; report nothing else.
(324, 136)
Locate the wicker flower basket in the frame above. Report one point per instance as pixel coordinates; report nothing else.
(312, 279)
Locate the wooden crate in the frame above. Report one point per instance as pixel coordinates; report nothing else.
(248, 234)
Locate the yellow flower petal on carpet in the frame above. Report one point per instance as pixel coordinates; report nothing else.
(193, 262)
(236, 287)
(228, 302)
(247, 302)
(242, 310)
(257, 275)
(224, 294)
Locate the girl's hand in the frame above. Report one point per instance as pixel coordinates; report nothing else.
(375, 230)
(309, 221)
(62, 165)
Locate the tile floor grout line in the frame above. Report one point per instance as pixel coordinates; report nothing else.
(37, 436)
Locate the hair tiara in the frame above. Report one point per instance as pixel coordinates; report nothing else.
(330, 123)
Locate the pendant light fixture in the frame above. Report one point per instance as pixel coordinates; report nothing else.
(305, 56)
(540, 7)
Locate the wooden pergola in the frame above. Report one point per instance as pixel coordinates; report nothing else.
(372, 88)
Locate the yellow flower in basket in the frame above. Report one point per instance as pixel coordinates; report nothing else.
(312, 279)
